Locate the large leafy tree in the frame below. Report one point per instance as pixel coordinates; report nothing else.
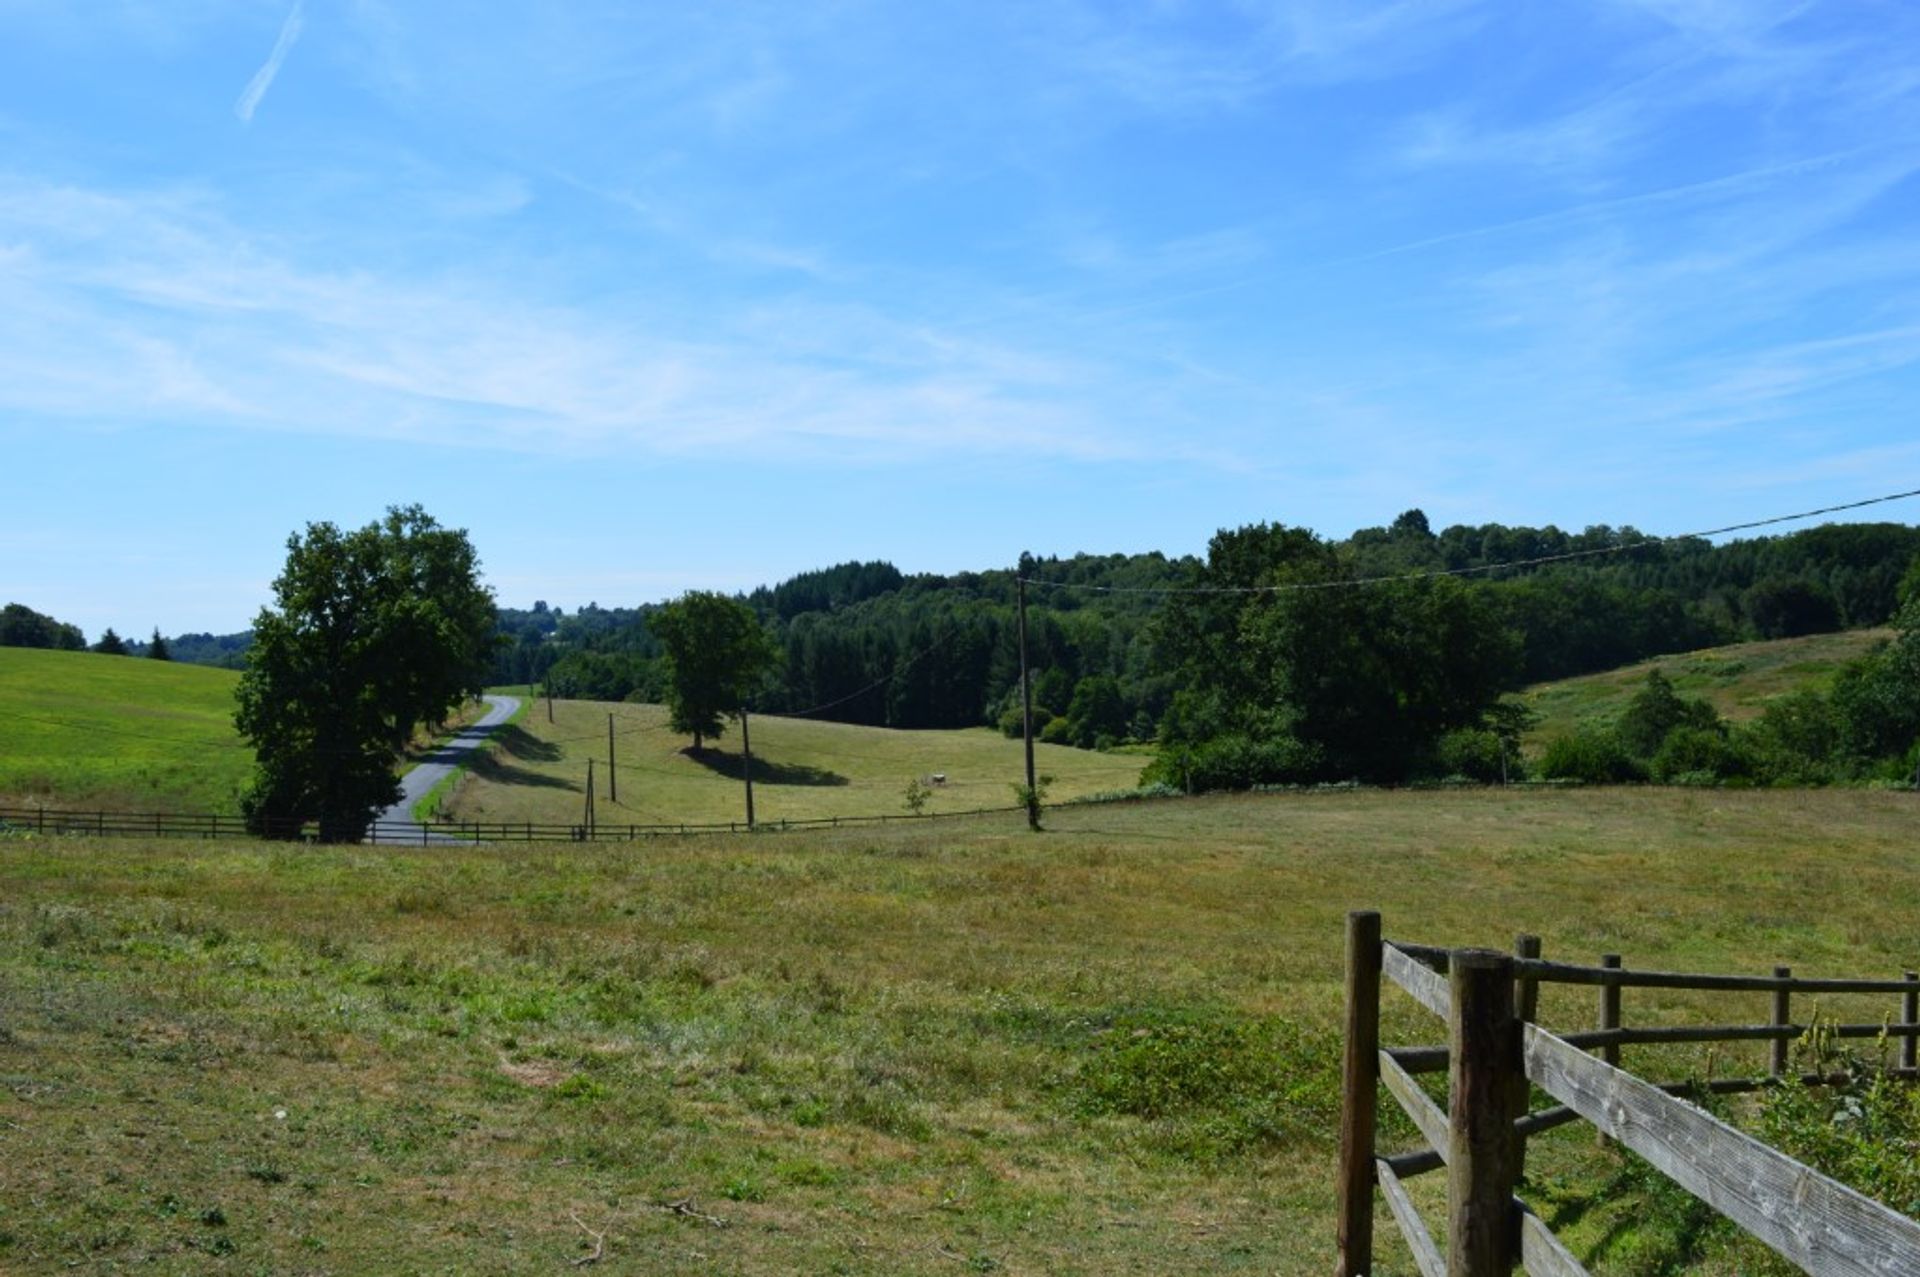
(1308, 674)
(717, 655)
(371, 632)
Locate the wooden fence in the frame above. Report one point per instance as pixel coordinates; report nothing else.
(1495, 1051)
(107, 824)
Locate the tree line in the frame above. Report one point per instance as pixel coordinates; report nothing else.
(1376, 681)
(21, 626)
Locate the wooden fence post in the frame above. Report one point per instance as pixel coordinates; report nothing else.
(1359, 1095)
(1782, 1016)
(1483, 1059)
(1910, 1015)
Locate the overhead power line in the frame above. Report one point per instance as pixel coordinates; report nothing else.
(1293, 587)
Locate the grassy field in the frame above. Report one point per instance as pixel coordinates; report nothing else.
(84, 730)
(954, 1047)
(802, 769)
(1737, 680)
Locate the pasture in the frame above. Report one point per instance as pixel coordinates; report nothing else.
(953, 1047)
(802, 769)
(83, 730)
(1737, 680)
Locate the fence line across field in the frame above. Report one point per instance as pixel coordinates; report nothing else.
(106, 824)
(1496, 1052)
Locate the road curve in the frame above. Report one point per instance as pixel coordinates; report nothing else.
(438, 765)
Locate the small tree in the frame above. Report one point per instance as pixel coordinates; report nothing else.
(717, 653)
(918, 791)
(111, 644)
(1657, 709)
(157, 649)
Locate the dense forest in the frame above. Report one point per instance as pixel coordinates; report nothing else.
(865, 643)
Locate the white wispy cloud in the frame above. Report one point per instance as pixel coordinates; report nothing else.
(249, 100)
(143, 308)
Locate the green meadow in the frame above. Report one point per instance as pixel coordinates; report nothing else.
(802, 769)
(83, 730)
(1737, 680)
(936, 1048)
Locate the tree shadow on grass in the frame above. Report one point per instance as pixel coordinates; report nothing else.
(524, 745)
(493, 768)
(765, 772)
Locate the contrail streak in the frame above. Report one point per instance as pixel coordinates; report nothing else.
(263, 78)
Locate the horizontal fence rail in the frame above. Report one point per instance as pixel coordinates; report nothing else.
(1496, 1054)
(106, 824)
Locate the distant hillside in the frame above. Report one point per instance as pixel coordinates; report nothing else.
(1737, 680)
(85, 730)
(802, 770)
(868, 644)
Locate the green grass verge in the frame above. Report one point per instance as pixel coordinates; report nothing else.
(1737, 680)
(536, 770)
(953, 1047)
(82, 730)
(428, 808)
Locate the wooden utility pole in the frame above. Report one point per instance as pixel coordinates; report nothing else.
(1026, 709)
(746, 763)
(589, 797)
(613, 777)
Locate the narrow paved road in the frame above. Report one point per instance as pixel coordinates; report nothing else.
(438, 765)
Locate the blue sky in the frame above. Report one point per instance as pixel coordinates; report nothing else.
(649, 297)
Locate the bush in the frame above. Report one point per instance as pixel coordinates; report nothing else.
(1865, 1133)
(1474, 753)
(1591, 757)
(1058, 731)
(1795, 741)
(1695, 755)
(1234, 762)
(1656, 710)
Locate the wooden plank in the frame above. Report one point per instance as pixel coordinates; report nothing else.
(1408, 1165)
(1421, 984)
(1823, 1226)
(1418, 1104)
(1420, 1059)
(1541, 1253)
(1426, 1254)
(1589, 1038)
(1569, 973)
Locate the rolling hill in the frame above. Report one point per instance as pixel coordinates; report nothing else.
(1737, 680)
(117, 733)
(802, 769)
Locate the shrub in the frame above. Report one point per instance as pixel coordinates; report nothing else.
(1864, 1133)
(1475, 754)
(1234, 762)
(1655, 710)
(1796, 739)
(1695, 755)
(1592, 757)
